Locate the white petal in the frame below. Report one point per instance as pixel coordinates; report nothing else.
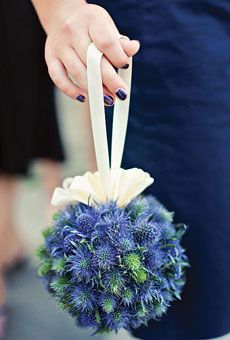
(61, 197)
(67, 182)
(125, 185)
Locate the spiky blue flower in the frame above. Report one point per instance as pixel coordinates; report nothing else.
(108, 302)
(54, 245)
(155, 257)
(145, 232)
(125, 242)
(114, 281)
(113, 267)
(80, 264)
(86, 319)
(85, 222)
(83, 298)
(148, 292)
(70, 243)
(128, 296)
(117, 319)
(104, 256)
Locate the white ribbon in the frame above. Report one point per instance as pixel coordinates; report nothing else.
(107, 183)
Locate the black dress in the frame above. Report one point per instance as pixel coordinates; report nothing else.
(179, 131)
(28, 126)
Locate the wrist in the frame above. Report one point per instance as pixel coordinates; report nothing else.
(46, 9)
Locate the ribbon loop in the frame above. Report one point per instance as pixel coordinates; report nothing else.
(97, 110)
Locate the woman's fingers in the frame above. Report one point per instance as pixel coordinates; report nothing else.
(60, 78)
(75, 67)
(70, 31)
(112, 81)
(104, 34)
(130, 47)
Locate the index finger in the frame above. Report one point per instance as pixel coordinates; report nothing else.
(106, 37)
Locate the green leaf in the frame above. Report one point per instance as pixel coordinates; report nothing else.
(58, 264)
(47, 232)
(42, 252)
(60, 284)
(140, 276)
(45, 267)
(55, 216)
(180, 229)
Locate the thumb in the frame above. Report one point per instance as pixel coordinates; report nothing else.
(130, 47)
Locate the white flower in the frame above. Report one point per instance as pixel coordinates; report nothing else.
(88, 189)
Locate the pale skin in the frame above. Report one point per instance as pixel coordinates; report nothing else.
(71, 25)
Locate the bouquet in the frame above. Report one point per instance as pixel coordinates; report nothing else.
(113, 257)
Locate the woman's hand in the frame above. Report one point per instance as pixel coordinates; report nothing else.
(71, 27)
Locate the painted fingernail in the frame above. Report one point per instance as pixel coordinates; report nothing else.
(121, 94)
(125, 66)
(81, 98)
(108, 100)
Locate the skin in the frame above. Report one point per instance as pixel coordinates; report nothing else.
(71, 25)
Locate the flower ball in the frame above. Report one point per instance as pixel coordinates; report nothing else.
(114, 267)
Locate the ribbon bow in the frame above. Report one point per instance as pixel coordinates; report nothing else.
(88, 188)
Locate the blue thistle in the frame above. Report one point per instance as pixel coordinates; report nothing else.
(128, 296)
(83, 298)
(146, 232)
(117, 319)
(99, 232)
(148, 292)
(155, 257)
(113, 281)
(70, 243)
(85, 222)
(104, 256)
(117, 222)
(54, 245)
(107, 302)
(87, 320)
(80, 264)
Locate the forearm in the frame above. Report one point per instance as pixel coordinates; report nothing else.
(46, 8)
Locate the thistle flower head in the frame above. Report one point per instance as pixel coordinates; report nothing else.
(83, 298)
(132, 261)
(107, 302)
(104, 256)
(155, 257)
(117, 319)
(85, 222)
(113, 281)
(125, 242)
(86, 319)
(70, 243)
(128, 296)
(80, 264)
(148, 292)
(147, 232)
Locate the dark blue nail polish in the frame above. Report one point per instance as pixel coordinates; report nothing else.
(108, 100)
(121, 94)
(81, 98)
(125, 66)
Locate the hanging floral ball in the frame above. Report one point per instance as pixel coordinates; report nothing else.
(113, 267)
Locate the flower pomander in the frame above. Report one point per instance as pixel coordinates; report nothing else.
(114, 267)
